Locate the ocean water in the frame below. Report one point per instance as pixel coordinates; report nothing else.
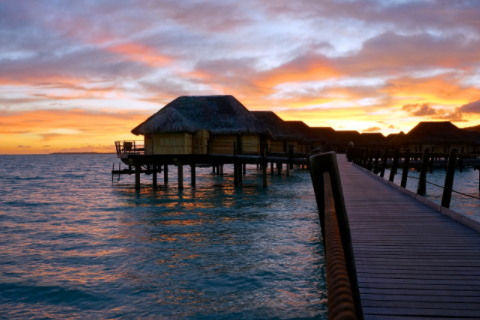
(75, 245)
(466, 182)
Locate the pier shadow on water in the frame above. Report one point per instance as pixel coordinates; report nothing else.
(74, 245)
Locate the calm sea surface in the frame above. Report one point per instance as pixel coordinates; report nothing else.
(74, 245)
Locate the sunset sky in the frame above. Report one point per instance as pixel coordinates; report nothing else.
(78, 75)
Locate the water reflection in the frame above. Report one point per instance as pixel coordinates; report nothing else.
(74, 244)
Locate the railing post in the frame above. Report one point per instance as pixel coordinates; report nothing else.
(375, 164)
(460, 163)
(448, 186)
(370, 159)
(406, 165)
(422, 181)
(384, 162)
(393, 169)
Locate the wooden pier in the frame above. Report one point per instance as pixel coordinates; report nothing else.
(412, 261)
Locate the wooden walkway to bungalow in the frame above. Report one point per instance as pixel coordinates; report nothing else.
(412, 261)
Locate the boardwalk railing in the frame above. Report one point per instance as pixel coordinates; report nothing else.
(424, 161)
(342, 284)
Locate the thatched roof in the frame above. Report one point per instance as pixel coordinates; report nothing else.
(474, 135)
(276, 126)
(373, 139)
(217, 114)
(328, 133)
(433, 132)
(393, 136)
(301, 128)
(344, 137)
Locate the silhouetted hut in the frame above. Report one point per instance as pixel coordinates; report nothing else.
(310, 139)
(280, 136)
(373, 140)
(345, 137)
(437, 136)
(192, 124)
(392, 136)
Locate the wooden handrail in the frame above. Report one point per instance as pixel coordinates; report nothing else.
(342, 284)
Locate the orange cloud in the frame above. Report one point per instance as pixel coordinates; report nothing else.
(140, 53)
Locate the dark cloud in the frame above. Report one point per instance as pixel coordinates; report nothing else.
(472, 107)
(418, 110)
(22, 146)
(421, 110)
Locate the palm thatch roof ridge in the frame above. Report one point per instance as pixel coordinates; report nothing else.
(276, 125)
(221, 114)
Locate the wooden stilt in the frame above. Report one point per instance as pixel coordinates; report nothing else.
(154, 182)
(165, 174)
(180, 176)
(235, 174)
(287, 169)
(264, 169)
(221, 169)
(240, 177)
(192, 176)
(244, 169)
(137, 177)
(279, 168)
(271, 168)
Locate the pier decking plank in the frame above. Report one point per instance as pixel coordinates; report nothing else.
(412, 261)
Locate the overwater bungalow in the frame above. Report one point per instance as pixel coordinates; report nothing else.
(438, 136)
(280, 136)
(310, 139)
(201, 125)
(373, 140)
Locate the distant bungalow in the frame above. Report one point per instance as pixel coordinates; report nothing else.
(280, 134)
(438, 136)
(309, 139)
(201, 125)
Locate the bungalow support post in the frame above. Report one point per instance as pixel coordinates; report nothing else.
(138, 167)
(165, 174)
(192, 176)
(180, 175)
(154, 178)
